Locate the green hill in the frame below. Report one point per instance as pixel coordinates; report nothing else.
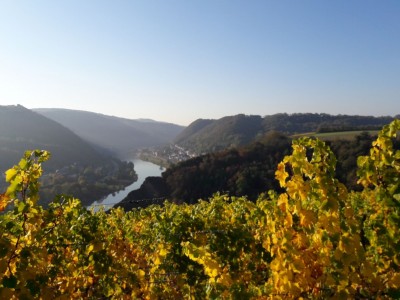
(194, 128)
(204, 136)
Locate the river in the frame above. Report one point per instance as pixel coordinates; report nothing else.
(143, 169)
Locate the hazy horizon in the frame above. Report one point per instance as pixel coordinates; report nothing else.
(149, 119)
(178, 61)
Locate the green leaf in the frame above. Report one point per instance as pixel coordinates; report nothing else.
(25, 253)
(109, 291)
(21, 207)
(9, 281)
(22, 163)
(33, 287)
(14, 186)
(3, 250)
(9, 225)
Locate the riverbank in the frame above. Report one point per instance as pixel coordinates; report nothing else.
(143, 170)
(154, 190)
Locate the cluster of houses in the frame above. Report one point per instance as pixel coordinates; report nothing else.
(170, 154)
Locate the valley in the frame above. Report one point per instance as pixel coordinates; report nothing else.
(143, 169)
(208, 220)
(235, 154)
(190, 150)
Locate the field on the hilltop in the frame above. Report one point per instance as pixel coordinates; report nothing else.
(335, 135)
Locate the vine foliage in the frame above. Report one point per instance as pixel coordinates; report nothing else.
(314, 239)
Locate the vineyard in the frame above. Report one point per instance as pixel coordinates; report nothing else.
(312, 239)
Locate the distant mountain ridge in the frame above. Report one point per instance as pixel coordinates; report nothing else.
(204, 136)
(22, 129)
(115, 135)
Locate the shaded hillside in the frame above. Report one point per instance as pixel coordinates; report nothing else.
(308, 122)
(116, 135)
(248, 170)
(216, 135)
(194, 128)
(75, 166)
(244, 171)
(234, 131)
(22, 129)
(238, 171)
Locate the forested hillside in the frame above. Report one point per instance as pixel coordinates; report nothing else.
(114, 135)
(239, 171)
(243, 171)
(204, 136)
(312, 238)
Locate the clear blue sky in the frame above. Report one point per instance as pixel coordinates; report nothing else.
(178, 61)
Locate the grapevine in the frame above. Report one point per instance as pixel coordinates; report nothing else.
(312, 239)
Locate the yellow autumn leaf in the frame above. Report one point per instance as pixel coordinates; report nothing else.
(203, 257)
(281, 174)
(4, 201)
(141, 274)
(274, 238)
(225, 279)
(394, 281)
(303, 192)
(211, 268)
(283, 202)
(14, 240)
(307, 218)
(10, 173)
(157, 260)
(300, 240)
(162, 251)
(89, 280)
(288, 220)
(89, 249)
